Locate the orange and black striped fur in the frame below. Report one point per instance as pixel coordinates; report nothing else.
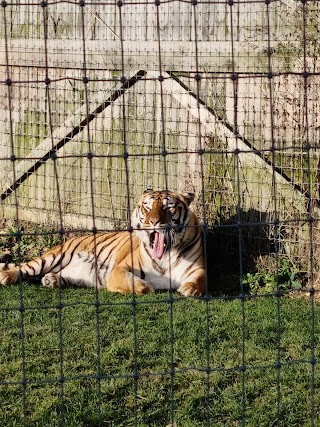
(163, 252)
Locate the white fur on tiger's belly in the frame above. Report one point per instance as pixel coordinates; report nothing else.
(85, 270)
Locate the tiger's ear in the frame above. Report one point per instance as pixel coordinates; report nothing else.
(188, 197)
(147, 190)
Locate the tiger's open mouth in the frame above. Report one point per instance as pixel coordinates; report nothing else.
(159, 243)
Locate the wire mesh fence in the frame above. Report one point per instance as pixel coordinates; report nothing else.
(101, 100)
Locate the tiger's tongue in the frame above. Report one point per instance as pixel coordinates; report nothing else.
(158, 246)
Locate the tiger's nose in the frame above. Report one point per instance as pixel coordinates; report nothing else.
(157, 218)
(154, 221)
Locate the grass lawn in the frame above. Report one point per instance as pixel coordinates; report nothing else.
(65, 360)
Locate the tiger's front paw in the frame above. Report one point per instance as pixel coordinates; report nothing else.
(140, 287)
(125, 282)
(191, 289)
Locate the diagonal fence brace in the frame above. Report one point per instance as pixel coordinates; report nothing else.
(28, 166)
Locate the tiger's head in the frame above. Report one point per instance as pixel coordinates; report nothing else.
(160, 220)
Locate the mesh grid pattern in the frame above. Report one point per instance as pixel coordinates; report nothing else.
(101, 100)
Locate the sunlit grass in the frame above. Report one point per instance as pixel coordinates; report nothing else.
(64, 358)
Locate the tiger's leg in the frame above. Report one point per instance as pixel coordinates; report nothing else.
(84, 271)
(6, 265)
(65, 278)
(10, 276)
(195, 287)
(80, 270)
(124, 281)
(36, 267)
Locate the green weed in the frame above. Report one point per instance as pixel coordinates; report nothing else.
(286, 278)
(27, 242)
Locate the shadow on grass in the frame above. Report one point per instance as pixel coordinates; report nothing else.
(234, 247)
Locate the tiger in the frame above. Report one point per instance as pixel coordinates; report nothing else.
(161, 250)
